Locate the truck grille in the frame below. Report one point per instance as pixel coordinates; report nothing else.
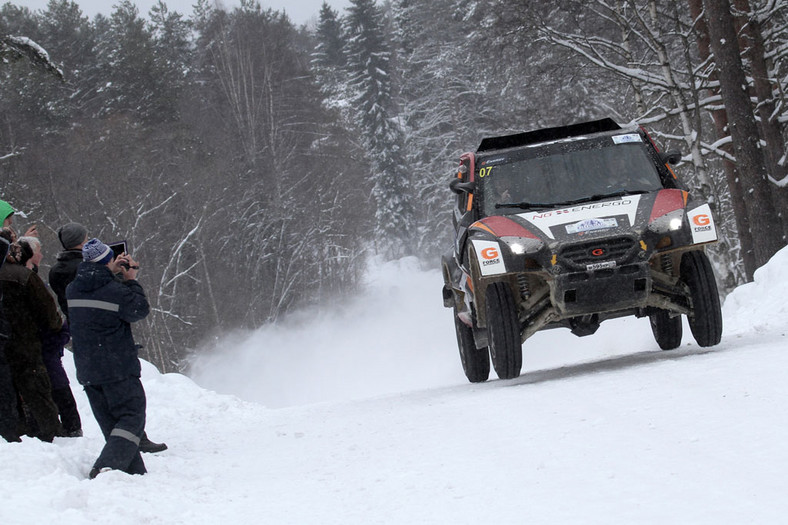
(617, 249)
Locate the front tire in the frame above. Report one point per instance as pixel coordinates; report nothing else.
(475, 361)
(667, 330)
(706, 319)
(503, 330)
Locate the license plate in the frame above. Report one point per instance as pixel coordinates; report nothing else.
(601, 266)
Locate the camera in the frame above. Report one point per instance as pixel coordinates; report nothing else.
(118, 249)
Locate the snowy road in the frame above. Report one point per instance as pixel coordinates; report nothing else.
(603, 429)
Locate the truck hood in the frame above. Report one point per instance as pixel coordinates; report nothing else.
(610, 216)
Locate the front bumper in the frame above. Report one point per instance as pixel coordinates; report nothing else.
(604, 290)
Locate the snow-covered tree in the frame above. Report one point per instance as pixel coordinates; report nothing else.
(171, 59)
(329, 51)
(369, 69)
(126, 63)
(750, 160)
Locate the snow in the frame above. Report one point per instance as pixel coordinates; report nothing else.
(362, 415)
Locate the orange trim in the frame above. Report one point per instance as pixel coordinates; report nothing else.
(471, 167)
(482, 226)
(671, 171)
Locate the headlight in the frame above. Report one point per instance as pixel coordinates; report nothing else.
(670, 222)
(523, 245)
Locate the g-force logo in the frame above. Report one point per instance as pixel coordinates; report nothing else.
(702, 223)
(489, 256)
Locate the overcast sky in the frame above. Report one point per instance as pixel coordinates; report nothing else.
(300, 11)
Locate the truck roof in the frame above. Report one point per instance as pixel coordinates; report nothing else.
(547, 135)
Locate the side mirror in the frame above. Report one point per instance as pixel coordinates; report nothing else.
(670, 157)
(457, 186)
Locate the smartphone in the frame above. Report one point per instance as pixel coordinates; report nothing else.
(119, 248)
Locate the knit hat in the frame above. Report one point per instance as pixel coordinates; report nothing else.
(97, 252)
(5, 211)
(71, 235)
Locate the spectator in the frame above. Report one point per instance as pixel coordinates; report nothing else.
(73, 237)
(52, 344)
(101, 310)
(7, 213)
(29, 309)
(8, 408)
(31, 252)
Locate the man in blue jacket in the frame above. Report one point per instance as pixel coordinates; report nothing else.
(101, 310)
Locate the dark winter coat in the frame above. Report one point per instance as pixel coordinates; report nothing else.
(52, 344)
(8, 408)
(62, 273)
(101, 310)
(30, 310)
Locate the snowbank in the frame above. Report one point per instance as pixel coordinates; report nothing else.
(760, 306)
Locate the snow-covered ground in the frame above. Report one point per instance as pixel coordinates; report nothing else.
(362, 415)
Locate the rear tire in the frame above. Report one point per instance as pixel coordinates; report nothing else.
(475, 361)
(503, 330)
(667, 330)
(705, 320)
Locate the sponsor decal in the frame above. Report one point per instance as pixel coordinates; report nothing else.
(628, 138)
(702, 220)
(702, 224)
(600, 266)
(488, 254)
(594, 210)
(598, 252)
(495, 160)
(589, 225)
(490, 259)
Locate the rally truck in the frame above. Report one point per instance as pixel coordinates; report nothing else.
(569, 227)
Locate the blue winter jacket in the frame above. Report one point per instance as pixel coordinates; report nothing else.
(101, 310)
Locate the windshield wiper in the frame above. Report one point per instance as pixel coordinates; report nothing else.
(597, 196)
(600, 196)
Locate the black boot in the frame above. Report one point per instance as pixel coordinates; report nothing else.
(146, 445)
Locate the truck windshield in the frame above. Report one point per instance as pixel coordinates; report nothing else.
(567, 176)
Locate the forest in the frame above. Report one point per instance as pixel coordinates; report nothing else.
(255, 167)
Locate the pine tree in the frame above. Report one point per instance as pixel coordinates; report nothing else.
(127, 64)
(171, 58)
(328, 57)
(329, 52)
(67, 30)
(369, 67)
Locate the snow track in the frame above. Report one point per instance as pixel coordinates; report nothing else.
(603, 429)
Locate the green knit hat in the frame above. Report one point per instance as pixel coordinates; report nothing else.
(5, 211)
